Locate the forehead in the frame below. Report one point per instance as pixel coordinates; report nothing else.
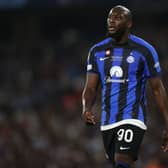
(118, 11)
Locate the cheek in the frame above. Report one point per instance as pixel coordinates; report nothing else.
(122, 25)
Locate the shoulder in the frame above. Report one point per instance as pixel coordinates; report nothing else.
(144, 45)
(101, 44)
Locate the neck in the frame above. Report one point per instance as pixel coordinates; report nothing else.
(121, 39)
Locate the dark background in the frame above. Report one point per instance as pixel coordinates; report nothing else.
(43, 51)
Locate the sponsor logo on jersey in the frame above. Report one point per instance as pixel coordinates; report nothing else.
(116, 71)
(115, 58)
(124, 148)
(104, 58)
(116, 74)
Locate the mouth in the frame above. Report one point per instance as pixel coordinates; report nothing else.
(112, 29)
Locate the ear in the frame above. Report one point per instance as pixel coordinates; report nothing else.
(129, 24)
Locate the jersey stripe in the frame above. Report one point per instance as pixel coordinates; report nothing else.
(118, 52)
(123, 87)
(138, 93)
(107, 66)
(144, 110)
(140, 115)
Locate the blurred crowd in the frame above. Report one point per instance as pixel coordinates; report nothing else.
(42, 76)
(154, 5)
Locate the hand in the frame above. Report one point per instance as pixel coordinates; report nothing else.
(89, 118)
(165, 141)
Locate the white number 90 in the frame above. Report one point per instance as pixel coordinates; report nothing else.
(126, 135)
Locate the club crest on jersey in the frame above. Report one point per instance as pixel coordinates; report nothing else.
(130, 59)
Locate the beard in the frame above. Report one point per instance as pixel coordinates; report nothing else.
(118, 34)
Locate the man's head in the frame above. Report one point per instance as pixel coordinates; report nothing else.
(119, 21)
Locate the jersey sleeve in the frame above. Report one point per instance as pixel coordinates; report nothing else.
(91, 62)
(152, 65)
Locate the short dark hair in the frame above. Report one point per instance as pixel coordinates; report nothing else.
(125, 10)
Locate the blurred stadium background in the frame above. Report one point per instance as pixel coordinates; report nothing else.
(43, 50)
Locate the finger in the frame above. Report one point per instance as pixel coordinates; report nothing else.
(91, 121)
(164, 148)
(89, 116)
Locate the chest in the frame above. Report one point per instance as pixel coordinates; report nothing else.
(119, 63)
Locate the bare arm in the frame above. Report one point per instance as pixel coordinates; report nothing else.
(89, 96)
(160, 97)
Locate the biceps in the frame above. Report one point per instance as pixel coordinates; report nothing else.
(92, 80)
(157, 86)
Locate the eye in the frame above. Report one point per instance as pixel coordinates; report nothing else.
(118, 17)
(114, 17)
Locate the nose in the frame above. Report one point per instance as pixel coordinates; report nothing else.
(111, 21)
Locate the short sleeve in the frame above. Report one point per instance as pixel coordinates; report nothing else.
(91, 62)
(152, 64)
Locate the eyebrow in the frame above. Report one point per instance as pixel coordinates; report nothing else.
(116, 13)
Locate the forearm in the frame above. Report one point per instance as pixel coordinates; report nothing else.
(88, 98)
(162, 102)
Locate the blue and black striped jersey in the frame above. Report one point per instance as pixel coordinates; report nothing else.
(123, 71)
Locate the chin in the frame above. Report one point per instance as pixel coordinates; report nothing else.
(115, 34)
(112, 34)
